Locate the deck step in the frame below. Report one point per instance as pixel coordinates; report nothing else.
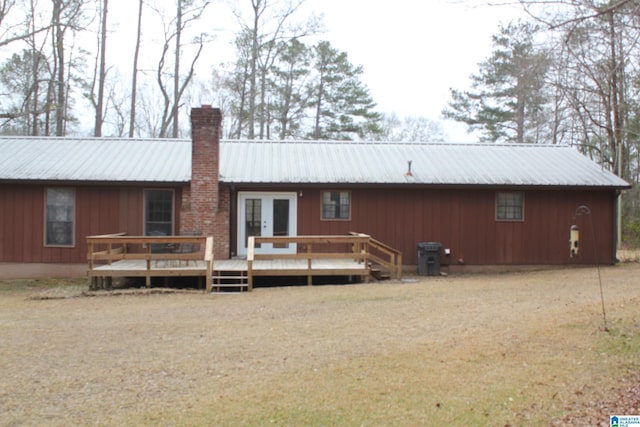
(380, 274)
(223, 281)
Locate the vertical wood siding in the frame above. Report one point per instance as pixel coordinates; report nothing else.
(98, 210)
(464, 221)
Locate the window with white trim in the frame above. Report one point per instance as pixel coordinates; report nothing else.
(336, 205)
(510, 206)
(60, 207)
(158, 212)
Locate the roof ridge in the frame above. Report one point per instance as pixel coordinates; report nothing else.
(90, 138)
(408, 143)
(285, 141)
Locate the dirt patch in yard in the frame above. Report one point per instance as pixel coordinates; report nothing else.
(506, 349)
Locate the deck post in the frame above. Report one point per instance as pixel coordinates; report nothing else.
(92, 281)
(393, 268)
(251, 244)
(109, 249)
(147, 281)
(309, 252)
(208, 258)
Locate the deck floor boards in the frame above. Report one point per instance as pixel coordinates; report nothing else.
(111, 255)
(141, 265)
(262, 266)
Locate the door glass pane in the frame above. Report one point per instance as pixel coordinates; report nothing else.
(253, 219)
(281, 220)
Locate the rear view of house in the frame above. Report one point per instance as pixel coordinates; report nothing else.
(486, 204)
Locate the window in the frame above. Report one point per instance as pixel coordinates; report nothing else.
(158, 212)
(510, 206)
(59, 216)
(336, 205)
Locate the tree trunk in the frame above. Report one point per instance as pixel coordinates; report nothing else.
(102, 73)
(35, 76)
(254, 69)
(58, 48)
(176, 72)
(617, 143)
(134, 81)
(520, 107)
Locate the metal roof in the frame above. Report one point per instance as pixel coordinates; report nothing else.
(431, 164)
(302, 162)
(95, 159)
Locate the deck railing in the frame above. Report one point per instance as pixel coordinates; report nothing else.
(119, 255)
(109, 248)
(356, 247)
(383, 255)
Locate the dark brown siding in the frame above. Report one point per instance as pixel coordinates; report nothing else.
(464, 221)
(99, 210)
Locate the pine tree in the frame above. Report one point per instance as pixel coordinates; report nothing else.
(506, 101)
(343, 106)
(288, 102)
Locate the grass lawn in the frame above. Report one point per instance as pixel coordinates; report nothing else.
(486, 349)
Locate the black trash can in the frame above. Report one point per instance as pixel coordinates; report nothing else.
(429, 258)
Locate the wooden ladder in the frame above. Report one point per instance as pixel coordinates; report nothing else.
(229, 281)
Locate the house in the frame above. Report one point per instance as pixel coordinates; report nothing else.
(486, 204)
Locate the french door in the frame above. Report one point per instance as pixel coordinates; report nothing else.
(266, 214)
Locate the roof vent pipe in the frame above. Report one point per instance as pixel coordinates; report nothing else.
(409, 168)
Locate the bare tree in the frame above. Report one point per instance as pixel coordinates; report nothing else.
(172, 84)
(597, 62)
(67, 15)
(12, 28)
(25, 74)
(134, 78)
(269, 23)
(411, 129)
(100, 73)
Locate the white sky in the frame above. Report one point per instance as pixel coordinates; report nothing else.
(412, 51)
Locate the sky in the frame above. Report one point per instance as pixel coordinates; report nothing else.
(412, 51)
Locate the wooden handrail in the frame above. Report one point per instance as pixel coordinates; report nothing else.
(315, 255)
(394, 264)
(306, 240)
(118, 248)
(360, 250)
(145, 239)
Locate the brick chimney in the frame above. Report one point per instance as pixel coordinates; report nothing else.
(205, 205)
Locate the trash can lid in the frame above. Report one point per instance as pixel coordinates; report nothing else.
(430, 246)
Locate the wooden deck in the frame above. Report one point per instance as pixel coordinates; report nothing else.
(228, 273)
(118, 255)
(127, 256)
(138, 268)
(288, 267)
